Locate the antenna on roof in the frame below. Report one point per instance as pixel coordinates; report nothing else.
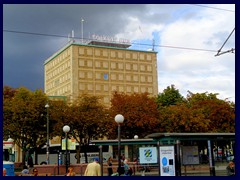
(69, 38)
(153, 44)
(82, 20)
(73, 35)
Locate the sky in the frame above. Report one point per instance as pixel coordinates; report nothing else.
(186, 37)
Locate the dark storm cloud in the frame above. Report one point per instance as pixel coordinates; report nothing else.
(24, 54)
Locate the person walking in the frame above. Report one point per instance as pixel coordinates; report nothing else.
(231, 169)
(35, 172)
(109, 163)
(70, 172)
(93, 169)
(25, 170)
(127, 169)
(4, 172)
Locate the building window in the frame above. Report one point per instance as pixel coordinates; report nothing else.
(105, 64)
(134, 56)
(98, 75)
(135, 78)
(129, 89)
(149, 57)
(89, 63)
(120, 88)
(105, 87)
(150, 90)
(90, 87)
(105, 53)
(143, 89)
(113, 76)
(98, 87)
(149, 68)
(90, 75)
(113, 65)
(97, 52)
(97, 64)
(89, 52)
(143, 79)
(81, 51)
(128, 56)
(142, 67)
(120, 55)
(81, 75)
(135, 67)
(128, 66)
(120, 65)
(150, 79)
(136, 89)
(81, 62)
(128, 77)
(105, 76)
(82, 87)
(120, 77)
(141, 57)
(113, 54)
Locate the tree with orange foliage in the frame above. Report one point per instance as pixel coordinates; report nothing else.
(139, 111)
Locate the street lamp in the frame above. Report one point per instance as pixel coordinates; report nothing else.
(119, 119)
(47, 149)
(66, 129)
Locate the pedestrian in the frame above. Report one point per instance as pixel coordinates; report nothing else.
(30, 161)
(4, 172)
(120, 170)
(109, 163)
(70, 172)
(93, 169)
(127, 168)
(35, 172)
(231, 169)
(25, 170)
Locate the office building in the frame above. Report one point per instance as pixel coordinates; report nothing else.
(99, 68)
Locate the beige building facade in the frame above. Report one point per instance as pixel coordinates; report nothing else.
(99, 69)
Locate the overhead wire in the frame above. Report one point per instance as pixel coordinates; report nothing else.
(54, 35)
(212, 7)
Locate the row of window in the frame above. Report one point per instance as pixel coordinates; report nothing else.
(115, 77)
(118, 54)
(59, 91)
(58, 81)
(52, 73)
(120, 88)
(58, 59)
(115, 65)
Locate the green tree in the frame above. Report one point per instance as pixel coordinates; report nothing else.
(22, 118)
(169, 96)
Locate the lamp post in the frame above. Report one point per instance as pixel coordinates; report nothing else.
(119, 119)
(66, 129)
(47, 149)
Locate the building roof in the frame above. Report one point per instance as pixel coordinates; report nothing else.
(110, 44)
(97, 44)
(192, 136)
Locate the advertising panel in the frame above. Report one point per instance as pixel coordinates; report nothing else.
(71, 144)
(148, 155)
(190, 155)
(167, 161)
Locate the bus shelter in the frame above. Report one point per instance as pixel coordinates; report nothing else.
(175, 149)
